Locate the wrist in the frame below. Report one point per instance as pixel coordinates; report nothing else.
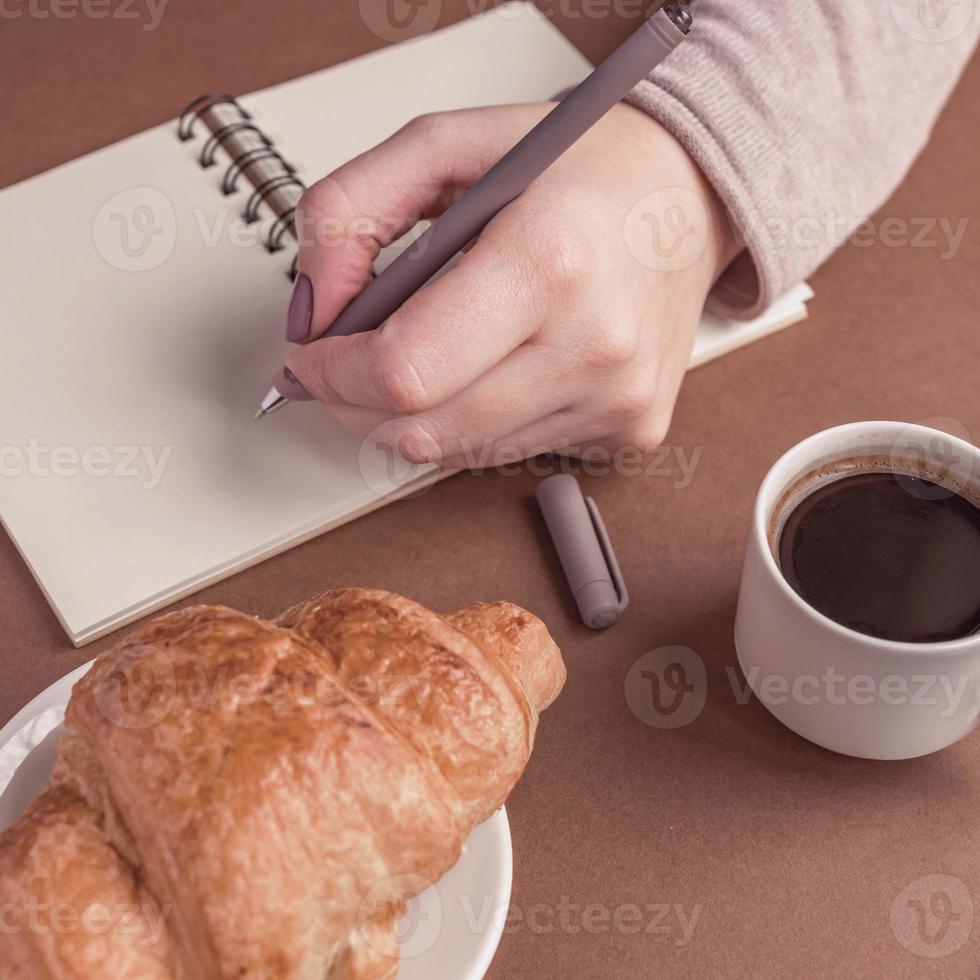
(677, 182)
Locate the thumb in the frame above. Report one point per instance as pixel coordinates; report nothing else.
(344, 220)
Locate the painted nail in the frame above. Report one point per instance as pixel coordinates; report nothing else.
(300, 310)
(288, 384)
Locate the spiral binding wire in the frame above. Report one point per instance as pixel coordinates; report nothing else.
(264, 190)
(199, 106)
(286, 219)
(282, 224)
(246, 159)
(220, 135)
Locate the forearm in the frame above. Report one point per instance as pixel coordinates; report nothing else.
(804, 117)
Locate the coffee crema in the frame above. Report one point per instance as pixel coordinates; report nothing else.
(885, 550)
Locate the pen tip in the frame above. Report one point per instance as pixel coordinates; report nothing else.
(272, 402)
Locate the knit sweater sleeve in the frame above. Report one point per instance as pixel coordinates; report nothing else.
(805, 116)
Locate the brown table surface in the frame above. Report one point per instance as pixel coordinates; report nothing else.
(788, 859)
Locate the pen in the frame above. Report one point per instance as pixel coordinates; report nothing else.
(662, 32)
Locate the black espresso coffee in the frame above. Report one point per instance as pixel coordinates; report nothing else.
(888, 554)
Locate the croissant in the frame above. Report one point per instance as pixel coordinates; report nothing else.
(252, 799)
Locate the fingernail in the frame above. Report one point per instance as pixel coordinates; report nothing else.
(416, 446)
(288, 384)
(300, 310)
(420, 448)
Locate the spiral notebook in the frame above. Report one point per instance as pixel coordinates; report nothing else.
(144, 289)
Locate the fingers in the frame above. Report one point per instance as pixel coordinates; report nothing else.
(552, 435)
(344, 220)
(644, 435)
(510, 414)
(443, 339)
(463, 434)
(545, 435)
(537, 397)
(519, 391)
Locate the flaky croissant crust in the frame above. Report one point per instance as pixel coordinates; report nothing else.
(260, 799)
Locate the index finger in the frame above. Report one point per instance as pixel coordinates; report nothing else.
(444, 338)
(344, 220)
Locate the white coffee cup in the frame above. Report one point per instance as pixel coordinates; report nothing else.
(849, 692)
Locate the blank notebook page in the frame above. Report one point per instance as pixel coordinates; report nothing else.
(171, 361)
(132, 470)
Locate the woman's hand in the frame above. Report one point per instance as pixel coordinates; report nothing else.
(568, 323)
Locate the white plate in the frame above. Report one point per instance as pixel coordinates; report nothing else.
(451, 930)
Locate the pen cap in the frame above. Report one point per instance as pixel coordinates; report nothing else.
(584, 550)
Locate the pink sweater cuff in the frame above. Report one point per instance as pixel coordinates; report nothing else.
(804, 117)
